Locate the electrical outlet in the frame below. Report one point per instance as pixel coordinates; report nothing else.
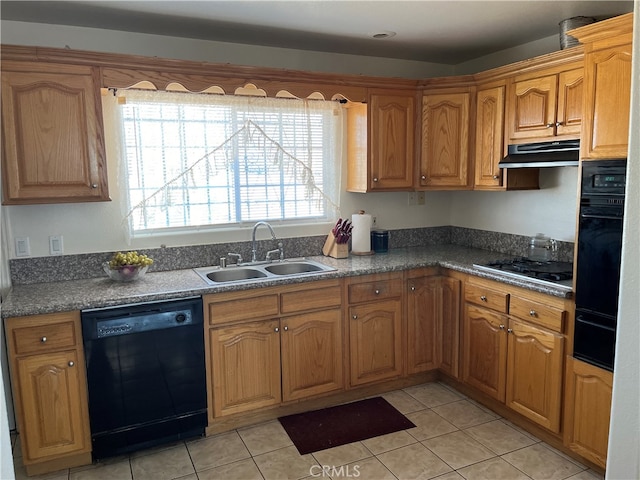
(420, 198)
(374, 221)
(412, 199)
(55, 245)
(23, 249)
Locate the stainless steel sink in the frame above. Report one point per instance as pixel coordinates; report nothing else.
(261, 271)
(234, 274)
(292, 268)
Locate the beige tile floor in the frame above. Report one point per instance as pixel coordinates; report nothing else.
(454, 438)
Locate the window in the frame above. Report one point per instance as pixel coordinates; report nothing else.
(195, 160)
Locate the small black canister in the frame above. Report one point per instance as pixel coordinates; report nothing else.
(380, 241)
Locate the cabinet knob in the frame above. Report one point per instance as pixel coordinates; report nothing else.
(423, 177)
(501, 327)
(496, 177)
(276, 329)
(483, 298)
(533, 313)
(377, 292)
(43, 339)
(550, 125)
(286, 329)
(375, 179)
(355, 317)
(558, 124)
(509, 330)
(413, 288)
(94, 185)
(71, 363)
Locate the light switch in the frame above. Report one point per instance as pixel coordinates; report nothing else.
(55, 245)
(22, 247)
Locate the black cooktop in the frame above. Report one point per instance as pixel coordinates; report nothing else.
(551, 271)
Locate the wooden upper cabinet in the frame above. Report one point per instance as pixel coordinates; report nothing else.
(545, 107)
(53, 134)
(381, 142)
(444, 160)
(489, 136)
(607, 78)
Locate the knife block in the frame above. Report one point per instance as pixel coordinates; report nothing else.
(333, 249)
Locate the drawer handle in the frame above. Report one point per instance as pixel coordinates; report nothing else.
(377, 292)
(94, 185)
(509, 330)
(501, 327)
(43, 339)
(483, 298)
(276, 329)
(286, 329)
(71, 364)
(533, 313)
(355, 317)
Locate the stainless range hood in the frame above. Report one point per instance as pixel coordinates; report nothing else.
(559, 153)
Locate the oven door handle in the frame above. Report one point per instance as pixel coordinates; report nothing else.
(605, 217)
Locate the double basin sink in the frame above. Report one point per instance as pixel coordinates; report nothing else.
(262, 271)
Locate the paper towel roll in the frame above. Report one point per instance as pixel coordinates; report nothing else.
(361, 235)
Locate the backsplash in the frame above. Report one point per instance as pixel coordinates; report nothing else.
(76, 267)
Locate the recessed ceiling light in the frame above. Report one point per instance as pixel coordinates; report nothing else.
(382, 34)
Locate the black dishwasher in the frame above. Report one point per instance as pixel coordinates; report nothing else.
(145, 373)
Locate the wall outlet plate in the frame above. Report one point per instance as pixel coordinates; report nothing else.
(23, 249)
(55, 245)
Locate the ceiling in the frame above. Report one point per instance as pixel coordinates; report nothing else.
(448, 32)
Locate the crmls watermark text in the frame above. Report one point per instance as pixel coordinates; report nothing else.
(345, 471)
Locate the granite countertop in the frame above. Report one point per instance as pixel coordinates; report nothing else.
(102, 292)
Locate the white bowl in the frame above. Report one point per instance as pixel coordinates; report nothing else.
(125, 273)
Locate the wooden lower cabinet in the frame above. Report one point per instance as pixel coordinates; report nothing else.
(423, 311)
(50, 390)
(293, 349)
(484, 344)
(375, 341)
(515, 361)
(587, 410)
(246, 367)
(448, 345)
(311, 354)
(534, 373)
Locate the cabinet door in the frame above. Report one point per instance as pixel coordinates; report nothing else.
(569, 112)
(608, 101)
(424, 307)
(52, 402)
(587, 410)
(375, 342)
(391, 139)
(53, 140)
(484, 351)
(532, 109)
(245, 363)
(449, 326)
(311, 354)
(489, 136)
(534, 373)
(445, 140)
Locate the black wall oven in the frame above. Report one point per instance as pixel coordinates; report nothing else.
(598, 260)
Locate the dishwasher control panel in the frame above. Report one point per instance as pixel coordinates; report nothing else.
(115, 321)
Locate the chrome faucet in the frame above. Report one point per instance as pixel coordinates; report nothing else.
(273, 237)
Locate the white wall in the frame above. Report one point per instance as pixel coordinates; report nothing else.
(623, 461)
(551, 210)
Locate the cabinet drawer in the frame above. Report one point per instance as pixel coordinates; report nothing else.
(321, 296)
(238, 309)
(486, 297)
(535, 312)
(376, 290)
(44, 338)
